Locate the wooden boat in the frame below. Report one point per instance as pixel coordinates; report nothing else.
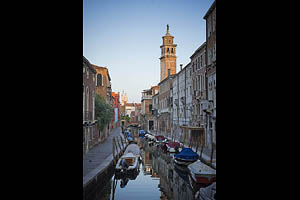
(159, 138)
(134, 149)
(202, 173)
(171, 146)
(186, 156)
(131, 160)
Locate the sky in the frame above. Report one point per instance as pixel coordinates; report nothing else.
(125, 36)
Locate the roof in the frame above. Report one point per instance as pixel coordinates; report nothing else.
(86, 62)
(210, 9)
(95, 66)
(197, 51)
(167, 78)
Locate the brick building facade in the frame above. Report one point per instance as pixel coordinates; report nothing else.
(103, 88)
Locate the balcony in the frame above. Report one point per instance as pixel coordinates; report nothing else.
(145, 96)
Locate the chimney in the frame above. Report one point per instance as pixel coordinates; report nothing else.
(181, 67)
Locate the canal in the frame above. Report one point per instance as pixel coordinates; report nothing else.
(158, 177)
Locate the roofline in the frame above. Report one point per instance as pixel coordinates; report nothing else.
(89, 65)
(197, 50)
(168, 77)
(213, 5)
(104, 68)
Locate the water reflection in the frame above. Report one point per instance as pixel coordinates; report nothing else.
(158, 177)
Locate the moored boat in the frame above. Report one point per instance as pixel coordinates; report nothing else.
(159, 138)
(202, 173)
(171, 146)
(131, 161)
(134, 149)
(186, 157)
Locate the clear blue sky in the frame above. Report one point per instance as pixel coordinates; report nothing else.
(125, 36)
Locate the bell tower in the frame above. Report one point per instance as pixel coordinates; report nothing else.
(168, 56)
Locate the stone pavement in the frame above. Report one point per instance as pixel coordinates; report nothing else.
(100, 153)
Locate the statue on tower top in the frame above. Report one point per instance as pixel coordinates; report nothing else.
(167, 28)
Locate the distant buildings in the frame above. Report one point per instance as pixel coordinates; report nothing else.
(146, 117)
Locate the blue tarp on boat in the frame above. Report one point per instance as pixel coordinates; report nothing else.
(130, 138)
(128, 133)
(142, 133)
(187, 154)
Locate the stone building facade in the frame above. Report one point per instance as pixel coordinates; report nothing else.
(211, 61)
(199, 82)
(164, 110)
(90, 131)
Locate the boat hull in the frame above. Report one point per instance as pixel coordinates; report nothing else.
(203, 179)
(183, 161)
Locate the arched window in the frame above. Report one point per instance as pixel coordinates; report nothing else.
(99, 79)
(172, 50)
(168, 50)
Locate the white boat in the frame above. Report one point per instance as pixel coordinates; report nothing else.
(134, 149)
(131, 160)
(202, 173)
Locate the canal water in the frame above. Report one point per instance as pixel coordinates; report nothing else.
(158, 177)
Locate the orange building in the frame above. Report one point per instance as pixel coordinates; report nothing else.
(103, 84)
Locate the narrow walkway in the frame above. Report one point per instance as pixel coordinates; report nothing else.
(99, 153)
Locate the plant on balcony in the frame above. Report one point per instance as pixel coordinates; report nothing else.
(127, 118)
(104, 112)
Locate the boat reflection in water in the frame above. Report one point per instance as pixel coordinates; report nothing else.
(159, 178)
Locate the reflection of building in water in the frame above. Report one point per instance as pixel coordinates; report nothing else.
(181, 188)
(147, 162)
(173, 186)
(162, 167)
(105, 194)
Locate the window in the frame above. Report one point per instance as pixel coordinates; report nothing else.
(168, 50)
(99, 80)
(172, 50)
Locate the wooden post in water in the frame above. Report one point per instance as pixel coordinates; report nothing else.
(119, 146)
(122, 144)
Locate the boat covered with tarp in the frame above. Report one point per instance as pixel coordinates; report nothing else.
(172, 146)
(160, 137)
(186, 157)
(202, 173)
